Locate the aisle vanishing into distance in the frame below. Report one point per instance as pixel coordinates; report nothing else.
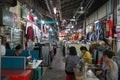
(58, 68)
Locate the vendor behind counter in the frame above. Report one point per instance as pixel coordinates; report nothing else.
(86, 55)
(18, 51)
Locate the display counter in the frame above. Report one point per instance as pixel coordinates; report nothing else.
(80, 76)
(34, 65)
(17, 74)
(20, 70)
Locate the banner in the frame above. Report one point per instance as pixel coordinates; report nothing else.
(118, 15)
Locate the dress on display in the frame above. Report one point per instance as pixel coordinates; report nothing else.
(30, 33)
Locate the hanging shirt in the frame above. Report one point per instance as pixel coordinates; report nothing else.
(30, 33)
(109, 28)
(102, 31)
(31, 18)
(93, 37)
(30, 45)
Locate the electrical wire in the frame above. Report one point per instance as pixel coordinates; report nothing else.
(91, 4)
(84, 8)
(87, 7)
(88, 3)
(79, 7)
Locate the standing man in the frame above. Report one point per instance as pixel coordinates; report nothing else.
(64, 51)
(54, 47)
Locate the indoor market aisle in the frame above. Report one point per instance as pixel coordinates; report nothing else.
(58, 68)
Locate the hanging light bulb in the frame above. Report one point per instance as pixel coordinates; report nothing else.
(42, 21)
(81, 8)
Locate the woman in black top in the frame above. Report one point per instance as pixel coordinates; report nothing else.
(18, 51)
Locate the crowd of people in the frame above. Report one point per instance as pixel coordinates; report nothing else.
(108, 71)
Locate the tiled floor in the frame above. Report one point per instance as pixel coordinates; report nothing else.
(58, 68)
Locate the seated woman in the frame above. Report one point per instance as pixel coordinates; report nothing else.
(86, 55)
(110, 68)
(71, 61)
(18, 51)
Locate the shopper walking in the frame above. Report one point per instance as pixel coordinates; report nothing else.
(71, 61)
(86, 55)
(54, 47)
(64, 46)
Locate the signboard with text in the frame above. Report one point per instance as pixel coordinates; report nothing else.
(118, 15)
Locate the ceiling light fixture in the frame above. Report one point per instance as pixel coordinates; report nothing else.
(42, 22)
(57, 23)
(35, 18)
(72, 26)
(96, 21)
(47, 26)
(55, 10)
(81, 10)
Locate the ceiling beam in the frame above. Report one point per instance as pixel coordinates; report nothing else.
(68, 2)
(71, 8)
(72, 3)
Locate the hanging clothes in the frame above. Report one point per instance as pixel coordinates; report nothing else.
(102, 31)
(88, 35)
(39, 26)
(30, 33)
(35, 33)
(93, 37)
(97, 26)
(31, 18)
(98, 35)
(109, 28)
(46, 30)
(98, 54)
(43, 28)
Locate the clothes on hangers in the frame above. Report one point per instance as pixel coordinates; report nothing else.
(30, 33)
(109, 27)
(93, 37)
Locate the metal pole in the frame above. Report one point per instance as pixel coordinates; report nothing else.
(85, 23)
(0, 61)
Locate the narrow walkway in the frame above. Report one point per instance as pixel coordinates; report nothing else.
(58, 68)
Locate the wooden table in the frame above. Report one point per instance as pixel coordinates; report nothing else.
(78, 76)
(34, 65)
(16, 74)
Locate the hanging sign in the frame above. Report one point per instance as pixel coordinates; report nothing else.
(118, 15)
(117, 29)
(118, 36)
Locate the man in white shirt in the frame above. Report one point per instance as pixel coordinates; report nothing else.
(2, 46)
